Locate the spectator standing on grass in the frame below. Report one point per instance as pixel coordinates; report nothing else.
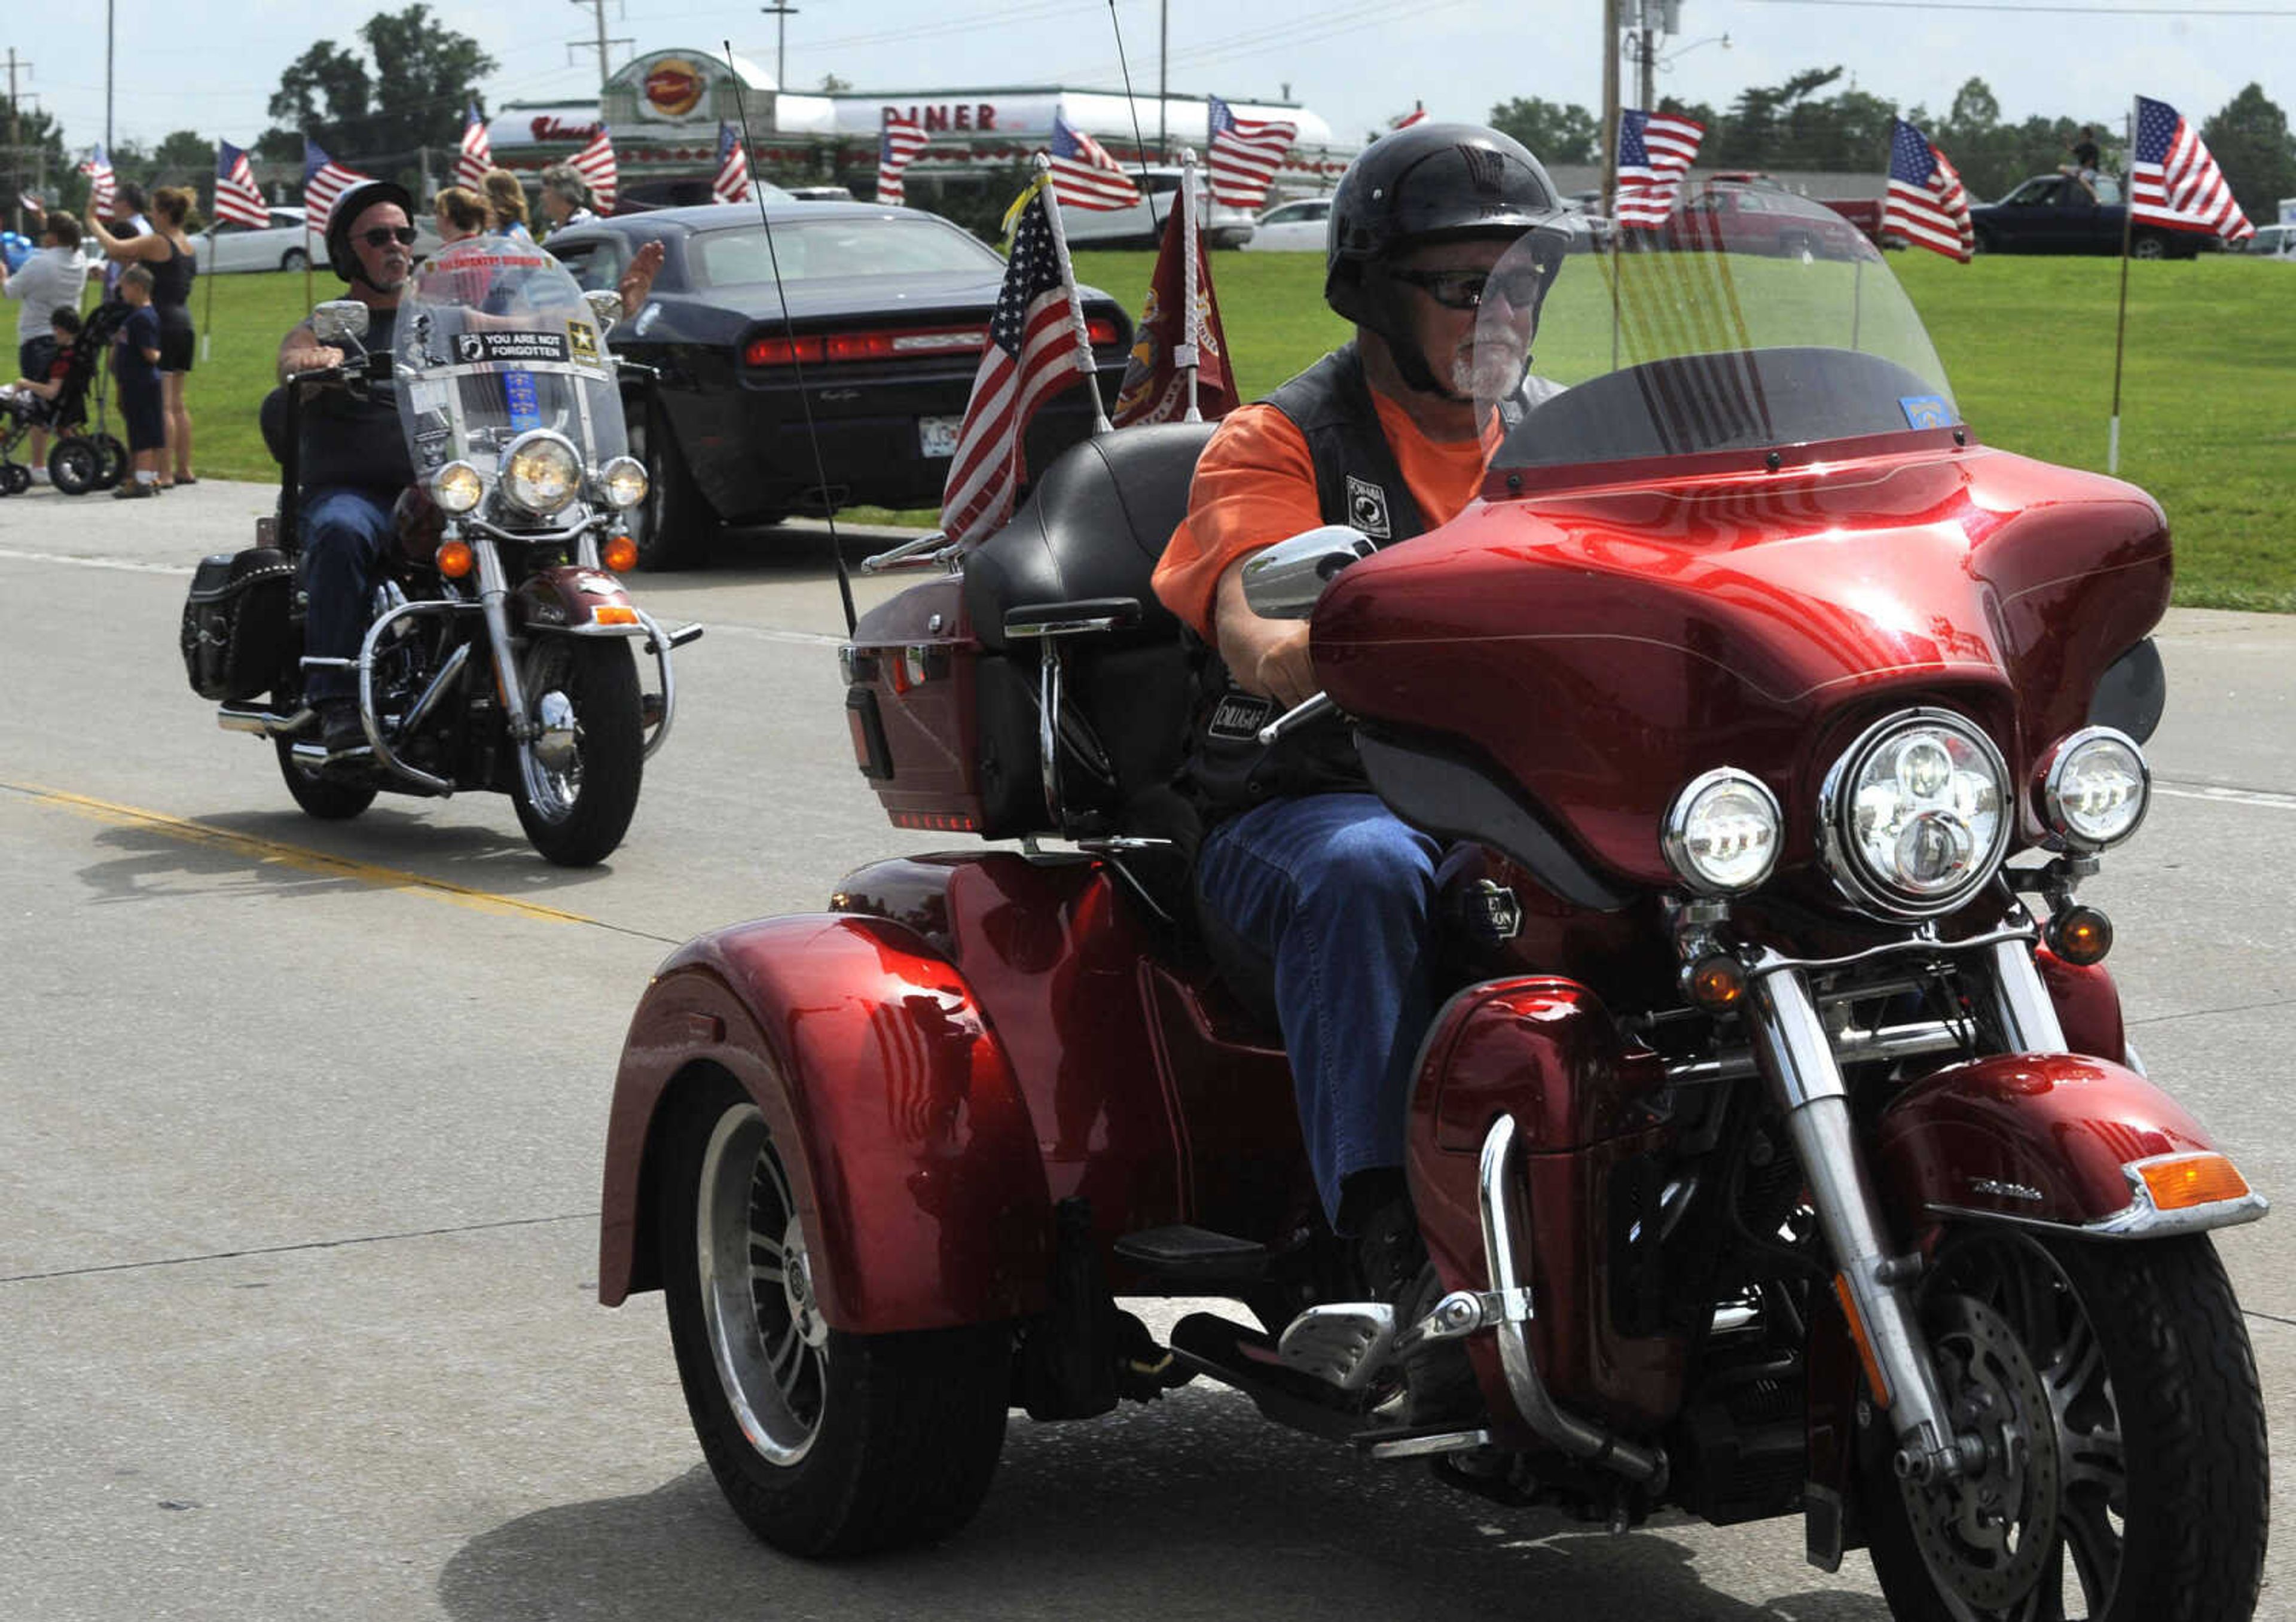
(167, 253)
(505, 205)
(135, 370)
(458, 212)
(52, 278)
(566, 197)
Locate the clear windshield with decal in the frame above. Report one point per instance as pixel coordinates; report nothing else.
(1751, 318)
(494, 340)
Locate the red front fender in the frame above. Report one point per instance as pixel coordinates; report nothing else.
(574, 598)
(910, 1152)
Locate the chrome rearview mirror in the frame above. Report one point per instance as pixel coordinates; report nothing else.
(605, 304)
(338, 321)
(1284, 582)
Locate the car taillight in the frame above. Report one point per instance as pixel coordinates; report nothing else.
(1103, 332)
(880, 344)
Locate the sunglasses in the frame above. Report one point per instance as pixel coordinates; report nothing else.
(382, 236)
(1521, 285)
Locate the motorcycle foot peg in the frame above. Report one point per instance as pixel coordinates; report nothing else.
(313, 661)
(649, 710)
(1344, 1344)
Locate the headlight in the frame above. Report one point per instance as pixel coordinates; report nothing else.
(2094, 788)
(1916, 816)
(457, 487)
(623, 481)
(1723, 832)
(541, 471)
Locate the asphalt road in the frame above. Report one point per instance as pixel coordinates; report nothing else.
(299, 1167)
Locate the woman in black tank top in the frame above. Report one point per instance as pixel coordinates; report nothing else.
(167, 253)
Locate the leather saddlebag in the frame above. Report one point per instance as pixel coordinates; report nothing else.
(236, 623)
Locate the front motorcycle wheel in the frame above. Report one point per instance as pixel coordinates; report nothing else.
(824, 1443)
(578, 786)
(330, 799)
(2126, 1474)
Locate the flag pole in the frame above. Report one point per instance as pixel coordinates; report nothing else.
(1184, 353)
(1043, 168)
(2120, 328)
(207, 332)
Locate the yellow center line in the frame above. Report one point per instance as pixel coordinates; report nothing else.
(288, 855)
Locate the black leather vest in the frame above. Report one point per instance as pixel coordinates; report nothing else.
(1358, 483)
(347, 441)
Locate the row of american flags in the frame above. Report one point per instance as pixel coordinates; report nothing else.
(2173, 180)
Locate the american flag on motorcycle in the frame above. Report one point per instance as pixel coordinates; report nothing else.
(237, 197)
(476, 157)
(733, 182)
(1245, 154)
(897, 145)
(323, 181)
(1655, 152)
(2173, 181)
(595, 164)
(1036, 348)
(1926, 204)
(102, 188)
(1083, 176)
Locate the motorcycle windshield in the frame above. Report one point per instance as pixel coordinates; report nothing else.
(494, 340)
(1748, 318)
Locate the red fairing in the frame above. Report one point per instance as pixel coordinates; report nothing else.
(2043, 1136)
(916, 1166)
(1747, 617)
(1545, 1050)
(2088, 1003)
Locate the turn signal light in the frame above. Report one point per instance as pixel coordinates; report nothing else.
(2080, 935)
(620, 556)
(613, 614)
(1715, 983)
(1876, 1381)
(454, 559)
(2177, 1182)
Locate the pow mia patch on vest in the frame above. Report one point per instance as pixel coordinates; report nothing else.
(1367, 508)
(1241, 715)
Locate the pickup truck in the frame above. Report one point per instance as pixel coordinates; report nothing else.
(2055, 214)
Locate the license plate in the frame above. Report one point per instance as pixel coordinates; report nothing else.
(936, 435)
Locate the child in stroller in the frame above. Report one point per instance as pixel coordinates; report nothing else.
(79, 461)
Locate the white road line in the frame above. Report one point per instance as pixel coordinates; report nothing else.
(2236, 796)
(128, 565)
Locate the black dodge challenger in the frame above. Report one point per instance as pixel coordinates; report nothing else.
(888, 315)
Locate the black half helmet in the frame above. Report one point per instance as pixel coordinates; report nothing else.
(347, 208)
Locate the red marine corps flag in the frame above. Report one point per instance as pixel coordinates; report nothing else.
(1178, 370)
(476, 157)
(733, 182)
(595, 164)
(237, 197)
(1036, 348)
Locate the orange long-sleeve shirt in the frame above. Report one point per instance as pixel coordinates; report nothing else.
(1255, 485)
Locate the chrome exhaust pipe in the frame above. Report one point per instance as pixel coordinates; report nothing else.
(262, 723)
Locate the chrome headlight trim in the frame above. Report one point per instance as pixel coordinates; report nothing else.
(1837, 844)
(1675, 839)
(458, 487)
(622, 482)
(2052, 777)
(536, 453)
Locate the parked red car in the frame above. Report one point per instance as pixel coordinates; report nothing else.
(1742, 217)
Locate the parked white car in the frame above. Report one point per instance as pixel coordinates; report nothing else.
(2273, 242)
(1292, 228)
(285, 244)
(1225, 225)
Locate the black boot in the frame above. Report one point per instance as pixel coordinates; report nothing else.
(1439, 1382)
(340, 727)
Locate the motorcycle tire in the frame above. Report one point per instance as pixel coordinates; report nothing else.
(113, 456)
(75, 465)
(675, 526)
(824, 1443)
(2158, 1470)
(576, 812)
(329, 799)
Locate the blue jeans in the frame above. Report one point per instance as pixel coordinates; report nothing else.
(345, 532)
(1337, 892)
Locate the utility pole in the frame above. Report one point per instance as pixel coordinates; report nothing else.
(15, 144)
(108, 5)
(1610, 106)
(1647, 56)
(1163, 83)
(781, 14)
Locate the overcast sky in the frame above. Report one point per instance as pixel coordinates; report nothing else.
(211, 67)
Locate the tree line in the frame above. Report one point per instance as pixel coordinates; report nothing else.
(1791, 126)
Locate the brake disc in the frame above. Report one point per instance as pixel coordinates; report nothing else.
(1990, 1536)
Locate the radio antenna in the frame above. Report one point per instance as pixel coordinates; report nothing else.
(1139, 141)
(789, 331)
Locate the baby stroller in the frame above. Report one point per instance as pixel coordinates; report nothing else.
(80, 460)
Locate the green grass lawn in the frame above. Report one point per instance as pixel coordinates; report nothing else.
(2208, 395)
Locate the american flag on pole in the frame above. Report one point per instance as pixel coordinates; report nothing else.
(323, 181)
(1035, 350)
(1417, 115)
(595, 164)
(1083, 176)
(1245, 154)
(1926, 204)
(733, 182)
(897, 145)
(97, 167)
(237, 197)
(32, 204)
(1655, 152)
(2174, 182)
(476, 157)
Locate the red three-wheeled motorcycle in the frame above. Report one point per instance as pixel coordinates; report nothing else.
(1779, 1148)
